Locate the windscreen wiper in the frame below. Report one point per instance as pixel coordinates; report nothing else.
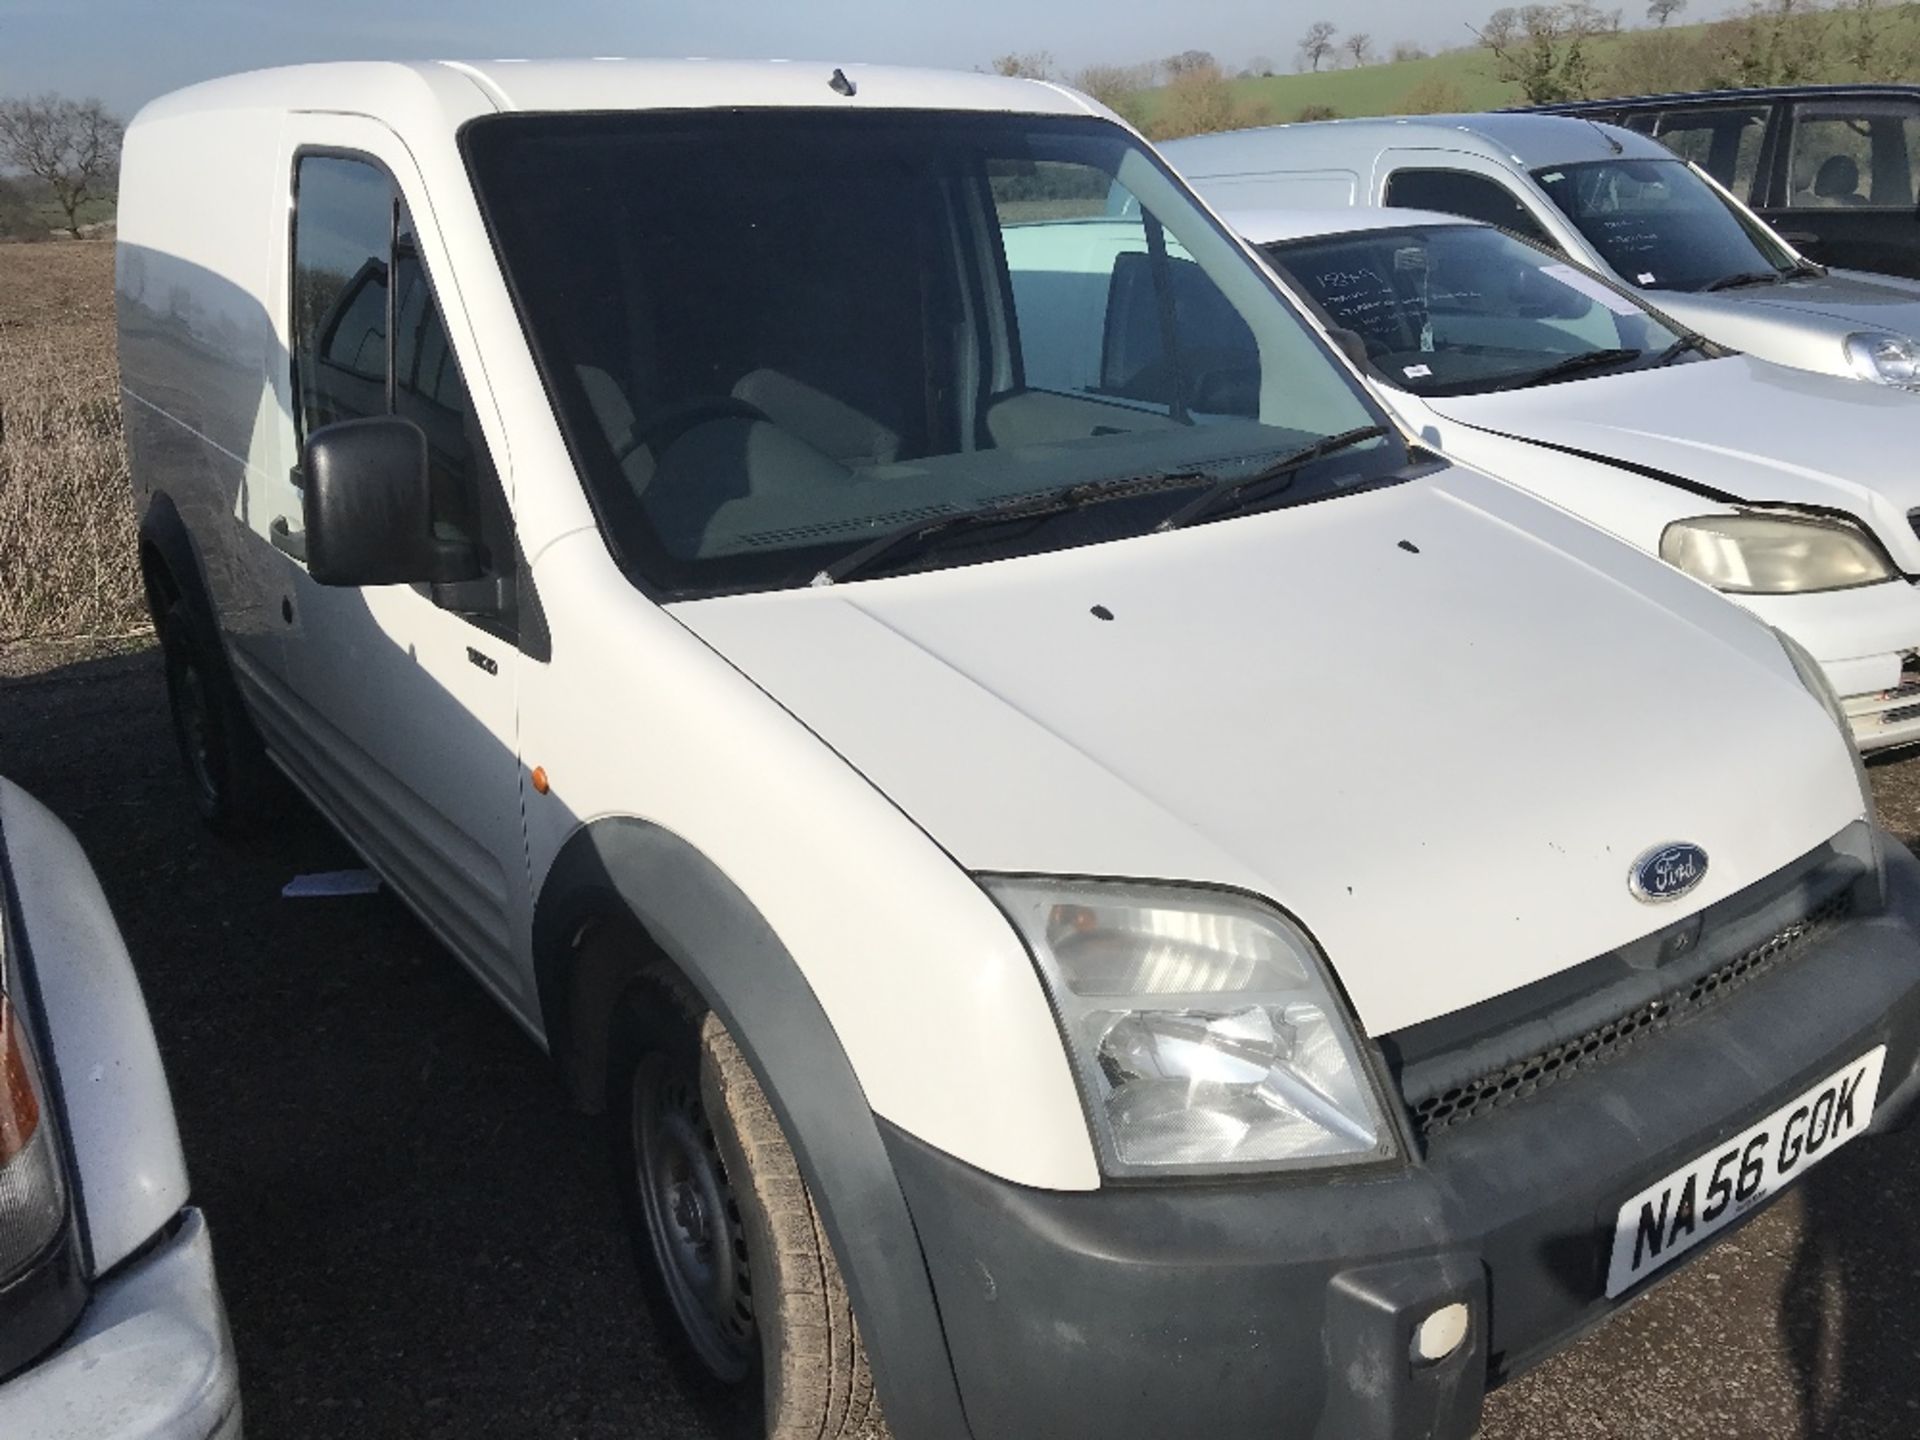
(1038, 506)
(1572, 365)
(1688, 341)
(1808, 268)
(1745, 277)
(1268, 479)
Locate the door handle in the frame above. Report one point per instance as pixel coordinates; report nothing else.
(1797, 238)
(289, 542)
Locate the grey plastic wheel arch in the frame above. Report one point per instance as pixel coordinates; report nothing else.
(624, 869)
(164, 530)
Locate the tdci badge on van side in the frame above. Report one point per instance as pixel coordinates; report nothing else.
(1667, 872)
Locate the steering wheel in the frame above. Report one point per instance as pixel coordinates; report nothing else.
(677, 420)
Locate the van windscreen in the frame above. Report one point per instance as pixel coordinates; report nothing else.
(1660, 226)
(772, 335)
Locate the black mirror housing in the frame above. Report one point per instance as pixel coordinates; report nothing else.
(1350, 345)
(368, 508)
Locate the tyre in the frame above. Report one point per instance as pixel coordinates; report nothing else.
(234, 785)
(733, 1252)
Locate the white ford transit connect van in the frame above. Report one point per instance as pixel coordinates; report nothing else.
(1124, 901)
(1611, 199)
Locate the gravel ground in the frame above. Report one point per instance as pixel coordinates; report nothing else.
(417, 1238)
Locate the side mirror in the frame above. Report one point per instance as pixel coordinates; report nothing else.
(1350, 345)
(368, 508)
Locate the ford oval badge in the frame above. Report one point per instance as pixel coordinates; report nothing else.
(1667, 872)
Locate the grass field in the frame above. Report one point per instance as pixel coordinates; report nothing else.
(66, 520)
(1381, 89)
(1632, 62)
(51, 218)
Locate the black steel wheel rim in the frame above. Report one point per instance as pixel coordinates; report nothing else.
(692, 1219)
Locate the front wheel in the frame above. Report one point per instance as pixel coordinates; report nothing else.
(732, 1246)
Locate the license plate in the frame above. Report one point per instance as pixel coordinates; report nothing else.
(1695, 1202)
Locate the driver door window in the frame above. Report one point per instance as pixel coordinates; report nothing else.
(368, 340)
(343, 234)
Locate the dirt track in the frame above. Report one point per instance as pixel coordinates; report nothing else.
(417, 1239)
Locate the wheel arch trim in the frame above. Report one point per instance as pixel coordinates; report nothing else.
(689, 913)
(164, 533)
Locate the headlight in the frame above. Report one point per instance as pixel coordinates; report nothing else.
(1753, 554)
(33, 1198)
(1884, 359)
(1204, 1027)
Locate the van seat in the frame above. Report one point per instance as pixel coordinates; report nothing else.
(831, 426)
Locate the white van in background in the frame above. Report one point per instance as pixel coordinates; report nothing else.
(930, 787)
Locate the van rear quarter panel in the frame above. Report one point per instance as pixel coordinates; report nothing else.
(1285, 190)
(202, 369)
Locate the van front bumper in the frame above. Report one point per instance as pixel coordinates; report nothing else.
(1287, 1307)
(149, 1359)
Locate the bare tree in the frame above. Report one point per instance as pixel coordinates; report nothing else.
(1198, 101)
(1435, 95)
(70, 146)
(1661, 11)
(15, 217)
(1771, 42)
(1546, 49)
(1027, 65)
(1118, 87)
(1501, 30)
(1188, 62)
(1317, 44)
(1358, 45)
(1873, 41)
(1405, 50)
(1655, 62)
(1262, 66)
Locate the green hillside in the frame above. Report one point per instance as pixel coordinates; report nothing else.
(1635, 61)
(1380, 89)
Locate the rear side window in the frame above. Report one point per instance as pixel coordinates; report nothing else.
(1725, 141)
(367, 334)
(1460, 192)
(1854, 154)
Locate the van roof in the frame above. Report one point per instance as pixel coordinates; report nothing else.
(1527, 140)
(381, 88)
(1271, 227)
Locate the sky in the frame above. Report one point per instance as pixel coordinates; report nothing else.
(127, 51)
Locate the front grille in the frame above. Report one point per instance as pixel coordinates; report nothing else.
(1437, 1113)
